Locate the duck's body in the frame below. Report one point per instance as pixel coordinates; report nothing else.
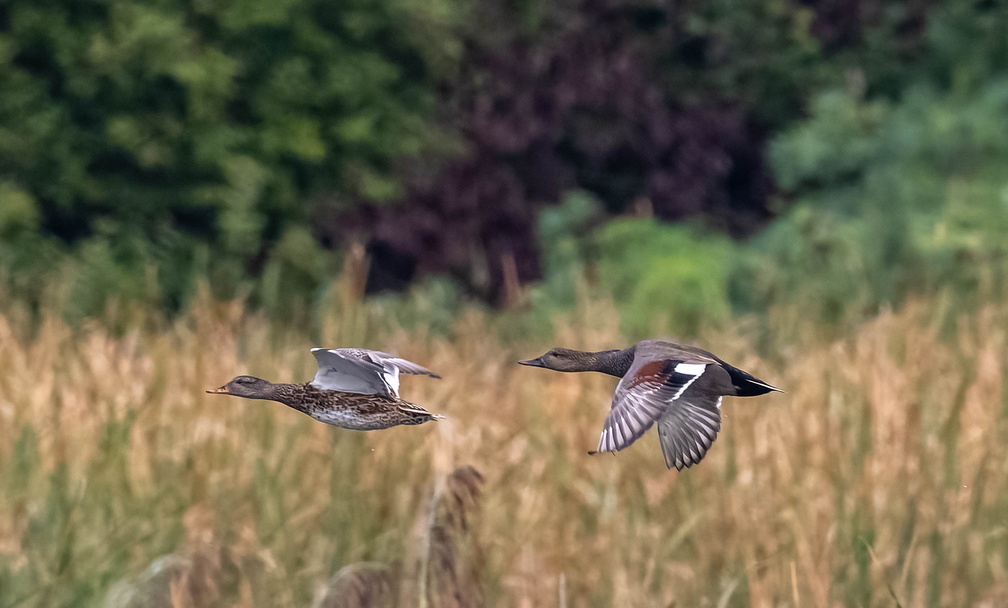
(354, 389)
(680, 387)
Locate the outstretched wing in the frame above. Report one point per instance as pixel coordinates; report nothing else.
(644, 396)
(340, 371)
(388, 361)
(688, 428)
(359, 370)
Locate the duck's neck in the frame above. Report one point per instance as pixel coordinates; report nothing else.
(291, 395)
(612, 362)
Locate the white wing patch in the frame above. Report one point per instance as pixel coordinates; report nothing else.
(693, 369)
(391, 377)
(688, 369)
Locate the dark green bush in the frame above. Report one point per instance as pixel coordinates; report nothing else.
(893, 199)
(663, 278)
(165, 142)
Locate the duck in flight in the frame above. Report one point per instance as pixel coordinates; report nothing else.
(679, 387)
(354, 388)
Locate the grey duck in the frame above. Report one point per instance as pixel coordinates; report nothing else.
(678, 386)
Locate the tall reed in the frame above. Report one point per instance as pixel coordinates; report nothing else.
(879, 478)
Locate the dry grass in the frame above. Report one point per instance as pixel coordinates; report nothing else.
(879, 479)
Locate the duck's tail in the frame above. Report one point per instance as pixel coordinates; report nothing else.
(416, 414)
(747, 385)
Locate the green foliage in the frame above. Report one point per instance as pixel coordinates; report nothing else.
(148, 147)
(198, 134)
(19, 213)
(665, 278)
(967, 44)
(566, 237)
(893, 199)
(761, 54)
(297, 266)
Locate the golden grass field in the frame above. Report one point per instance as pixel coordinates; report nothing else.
(880, 478)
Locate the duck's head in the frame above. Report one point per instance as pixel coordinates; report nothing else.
(561, 360)
(249, 387)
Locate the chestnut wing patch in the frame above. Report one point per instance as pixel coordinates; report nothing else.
(642, 397)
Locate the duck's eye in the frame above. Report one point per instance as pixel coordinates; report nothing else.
(244, 380)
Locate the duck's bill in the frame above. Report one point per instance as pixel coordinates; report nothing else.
(533, 362)
(219, 391)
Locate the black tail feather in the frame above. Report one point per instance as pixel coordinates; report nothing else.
(747, 385)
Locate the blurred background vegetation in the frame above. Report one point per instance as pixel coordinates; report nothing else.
(696, 159)
(817, 190)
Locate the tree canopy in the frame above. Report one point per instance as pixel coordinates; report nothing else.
(145, 146)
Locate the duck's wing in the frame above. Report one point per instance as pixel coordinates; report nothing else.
(657, 388)
(379, 371)
(341, 371)
(388, 361)
(391, 365)
(688, 429)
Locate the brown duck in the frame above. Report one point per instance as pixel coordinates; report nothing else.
(354, 389)
(679, 387)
